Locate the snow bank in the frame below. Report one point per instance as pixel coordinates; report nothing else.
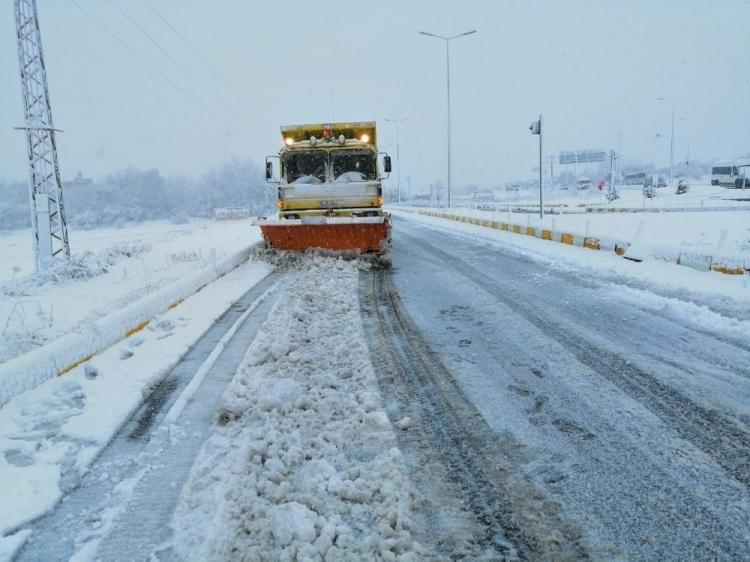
(303, 464)
(667, 243)
(27, 371)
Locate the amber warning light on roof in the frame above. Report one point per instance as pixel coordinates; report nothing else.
(328, 132)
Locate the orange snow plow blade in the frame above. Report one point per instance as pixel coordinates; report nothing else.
(365, 236)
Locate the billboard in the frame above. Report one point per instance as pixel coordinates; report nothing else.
(582, 156)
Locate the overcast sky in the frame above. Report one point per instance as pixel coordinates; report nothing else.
(589, 67)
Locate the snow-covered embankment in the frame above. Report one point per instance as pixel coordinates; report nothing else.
(58, 356)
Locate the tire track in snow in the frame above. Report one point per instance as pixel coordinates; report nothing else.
(452, 442)
(715, 433)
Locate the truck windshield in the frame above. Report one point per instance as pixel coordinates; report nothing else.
(353, 165)
(305, 167)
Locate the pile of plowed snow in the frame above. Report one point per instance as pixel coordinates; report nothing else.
(303, 464)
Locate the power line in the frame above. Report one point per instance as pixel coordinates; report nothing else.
(164, 77)
(186, 71)
(208, 66)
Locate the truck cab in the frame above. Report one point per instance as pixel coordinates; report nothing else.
(329, 170)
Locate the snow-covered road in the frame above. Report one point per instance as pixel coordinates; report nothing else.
(629, 413)
(472, 402)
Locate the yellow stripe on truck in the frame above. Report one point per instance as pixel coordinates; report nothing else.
(290, 204)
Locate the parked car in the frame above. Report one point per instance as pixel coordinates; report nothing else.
(584, 183)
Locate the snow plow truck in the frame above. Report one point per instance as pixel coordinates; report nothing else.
(330, 195)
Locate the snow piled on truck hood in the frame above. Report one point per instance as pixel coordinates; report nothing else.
(304, 463)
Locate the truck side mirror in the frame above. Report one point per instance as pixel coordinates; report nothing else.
(269, 171)
(387, 164)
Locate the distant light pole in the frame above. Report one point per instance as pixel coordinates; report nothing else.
(448, 92)
(536, 129)
(398, 154)
(687, 145)
(619, 147)
(671, 140)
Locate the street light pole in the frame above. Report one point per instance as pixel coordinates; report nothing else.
(448, 113)
(687, 145)
(536, 129)
(398, 155)
(671, 141)
(448, 94)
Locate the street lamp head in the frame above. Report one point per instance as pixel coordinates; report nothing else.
(448, 38)
(462, 34)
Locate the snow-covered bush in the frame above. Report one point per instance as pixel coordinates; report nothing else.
(84, 265)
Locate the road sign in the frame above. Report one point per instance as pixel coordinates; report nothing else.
(582, 156)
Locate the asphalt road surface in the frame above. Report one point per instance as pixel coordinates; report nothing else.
(615, 429)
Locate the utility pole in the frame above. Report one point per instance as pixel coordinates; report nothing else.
(45, 187)
(398, 154)
(448, 93)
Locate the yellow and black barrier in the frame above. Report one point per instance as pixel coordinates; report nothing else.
(708, 263)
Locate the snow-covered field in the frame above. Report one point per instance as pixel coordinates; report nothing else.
(112, 267)
(700, 195)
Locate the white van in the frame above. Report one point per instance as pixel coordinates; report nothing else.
(725, 174)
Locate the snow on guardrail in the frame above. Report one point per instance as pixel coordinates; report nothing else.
(65, 353)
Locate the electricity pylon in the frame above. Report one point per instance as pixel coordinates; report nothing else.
(45, 187)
